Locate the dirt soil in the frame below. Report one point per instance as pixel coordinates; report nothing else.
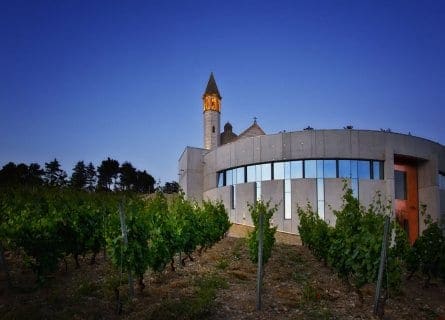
(296, 286)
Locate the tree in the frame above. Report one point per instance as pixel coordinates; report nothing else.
(54, 175)
(108, 173)
(171, 187)
(79, 176)
(128, 176)
(8, 175)
(21, 174)
(90, 177)
(145, 183)
(35, 174)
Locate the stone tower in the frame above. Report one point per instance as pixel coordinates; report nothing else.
(212, 114)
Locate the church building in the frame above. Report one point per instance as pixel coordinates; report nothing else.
(310, 166)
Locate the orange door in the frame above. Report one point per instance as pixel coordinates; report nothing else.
(406, 199)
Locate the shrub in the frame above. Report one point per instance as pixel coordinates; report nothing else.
(255, 210)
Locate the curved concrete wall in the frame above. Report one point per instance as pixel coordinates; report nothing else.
(322, 144)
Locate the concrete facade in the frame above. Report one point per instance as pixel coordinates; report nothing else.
(235, 172)
(200, 169)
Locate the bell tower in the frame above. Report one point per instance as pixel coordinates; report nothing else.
(212, 114)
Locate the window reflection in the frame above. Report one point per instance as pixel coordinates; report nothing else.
(320, 170)
(441, 181)
(354, 169)
(310, 169)
(377, 168)
(296, 169)
(278, 170)
(220, 179)
(344, 169)
(266, 171)
(240, 175)
(363, 169)
(229, 180)
(251, 174)
(330, 169)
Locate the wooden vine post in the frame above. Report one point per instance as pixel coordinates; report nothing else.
(260, 259)
(125, 237)
(378, 308)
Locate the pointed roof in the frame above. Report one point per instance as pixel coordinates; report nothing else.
(212, 87)
(252, 131)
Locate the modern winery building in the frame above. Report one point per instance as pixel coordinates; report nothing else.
(311, 166)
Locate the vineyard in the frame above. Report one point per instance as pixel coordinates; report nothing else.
(68, 254)
(47, 226)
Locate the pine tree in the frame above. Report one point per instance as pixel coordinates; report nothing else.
(79, 176)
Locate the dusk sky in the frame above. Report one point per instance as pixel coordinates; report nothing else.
(87, 80)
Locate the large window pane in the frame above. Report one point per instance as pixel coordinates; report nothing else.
(344, 169)
(287, 170)
(258, 172)
(310, 169)
(400, 184)
(220, 182)
(229, 178)
(266, 172)
(330, 168)
(364, 169)
(278, 170)
(377, 170)
(251, 174)
(441, 181)
(296, 169)
(320, 171)
(240, 175)
(354, 169)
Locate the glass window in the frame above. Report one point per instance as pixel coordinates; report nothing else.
(330, 168)
(240, 175)
(344, 169)
(377, 170)
(251, 174)
(296, 169)
(229, 177)
(278, 170)
(354, 169)
(310, 169)
(258, 172)
(320, 171)
(266, 171)
(441, 181)
(287, 170)
(400, 184)
(220, 182)
(363, 169)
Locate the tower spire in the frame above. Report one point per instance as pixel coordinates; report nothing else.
(212, 114)
(212, 88)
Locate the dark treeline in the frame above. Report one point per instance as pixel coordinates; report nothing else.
(108, 176)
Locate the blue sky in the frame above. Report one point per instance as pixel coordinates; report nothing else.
(86, 80)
